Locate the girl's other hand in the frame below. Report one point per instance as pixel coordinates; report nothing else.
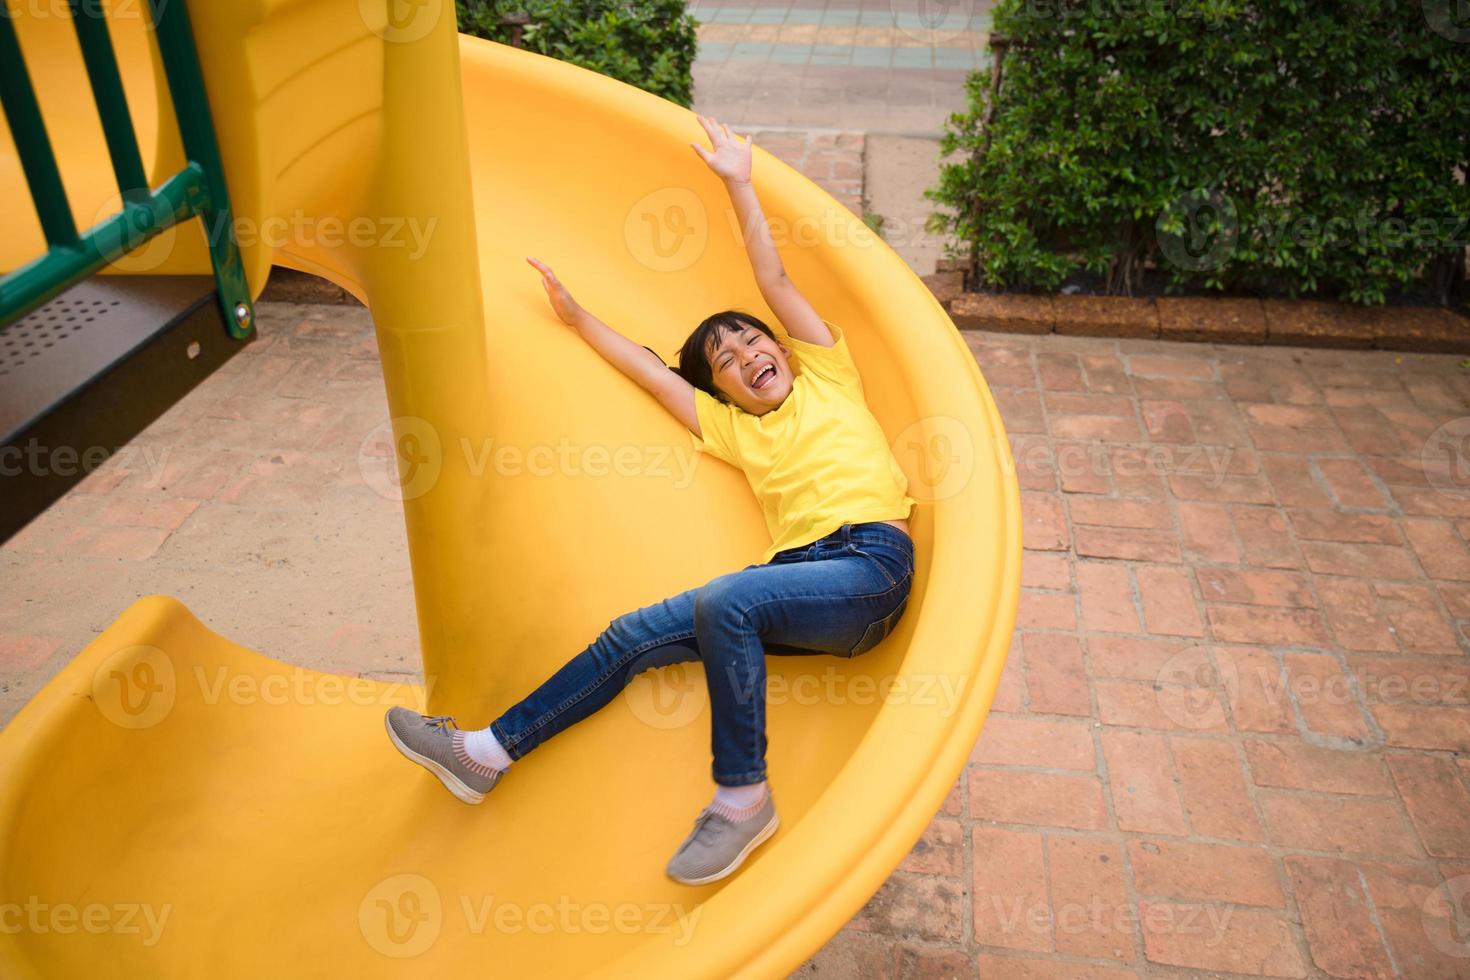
(566, 308)
(731, 156)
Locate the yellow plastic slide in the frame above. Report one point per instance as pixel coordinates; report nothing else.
(175, 805)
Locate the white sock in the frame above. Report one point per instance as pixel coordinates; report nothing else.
(484, 748)
(740, 802)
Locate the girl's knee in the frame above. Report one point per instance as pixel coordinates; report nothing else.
(721, 598)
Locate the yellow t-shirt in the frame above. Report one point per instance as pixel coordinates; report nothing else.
(819, 460)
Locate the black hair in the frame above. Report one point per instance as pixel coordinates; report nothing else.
(694, 366)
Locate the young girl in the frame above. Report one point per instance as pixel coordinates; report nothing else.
(834, 580)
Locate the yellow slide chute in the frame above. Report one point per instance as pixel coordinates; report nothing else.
(173, 804)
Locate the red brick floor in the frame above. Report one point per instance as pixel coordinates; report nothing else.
(1234, 733)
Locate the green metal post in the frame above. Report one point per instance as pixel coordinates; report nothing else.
(186, 85)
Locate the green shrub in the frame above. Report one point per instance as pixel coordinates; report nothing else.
(1285, 147)
(647, 43)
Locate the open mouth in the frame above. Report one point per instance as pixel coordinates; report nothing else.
(764, 378)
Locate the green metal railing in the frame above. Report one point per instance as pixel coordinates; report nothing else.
(197, 189)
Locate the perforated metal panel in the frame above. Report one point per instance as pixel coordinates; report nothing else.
(91, 369)
(62, 319)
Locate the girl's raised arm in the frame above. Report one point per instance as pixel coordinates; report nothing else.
(731, 160)
(637, 362)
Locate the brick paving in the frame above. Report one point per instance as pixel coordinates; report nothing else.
(1234, 732)
(833, 160)
(1233, 736)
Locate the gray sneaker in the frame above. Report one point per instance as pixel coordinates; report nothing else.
(428, 741)
(717, 845)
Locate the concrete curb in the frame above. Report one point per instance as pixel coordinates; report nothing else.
(1226, 320)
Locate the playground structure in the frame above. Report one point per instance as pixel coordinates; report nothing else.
(273, 836)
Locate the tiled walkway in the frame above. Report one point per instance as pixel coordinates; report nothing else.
(1233, 733)
(879, 37)
(880, 67)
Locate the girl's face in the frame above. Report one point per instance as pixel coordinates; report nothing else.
(751, 370)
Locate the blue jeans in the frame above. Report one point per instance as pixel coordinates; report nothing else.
(840, 595)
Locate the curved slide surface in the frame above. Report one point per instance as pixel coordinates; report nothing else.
(238, 816)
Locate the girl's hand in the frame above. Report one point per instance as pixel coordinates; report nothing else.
(566, 308)
(731, 156)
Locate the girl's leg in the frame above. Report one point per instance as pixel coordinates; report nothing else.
(656, 635)
(843, 595)
(837, 596)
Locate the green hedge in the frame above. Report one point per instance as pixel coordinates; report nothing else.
(647, 43)
(1279, 148)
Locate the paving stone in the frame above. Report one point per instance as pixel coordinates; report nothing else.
(1242, 639)
(1338, 918)
(1205, 872)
